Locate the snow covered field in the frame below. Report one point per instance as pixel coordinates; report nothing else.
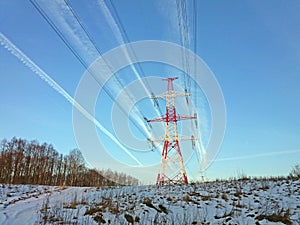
(19, 203)
(225, 202)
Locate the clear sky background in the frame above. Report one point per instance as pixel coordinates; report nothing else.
(252, 47)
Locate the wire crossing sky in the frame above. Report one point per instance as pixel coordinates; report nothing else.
(252, 47)
(32, 66)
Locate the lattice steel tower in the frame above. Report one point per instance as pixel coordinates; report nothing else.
(171, 169)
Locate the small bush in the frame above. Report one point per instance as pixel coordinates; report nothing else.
(99, 218)
(129, 218)
(225, 197)
(275, 218)
(186, 198)
(92, 211)
(295, 173)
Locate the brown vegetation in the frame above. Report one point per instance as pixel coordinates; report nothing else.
(24, 162)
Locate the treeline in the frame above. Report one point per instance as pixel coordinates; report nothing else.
(29, 162)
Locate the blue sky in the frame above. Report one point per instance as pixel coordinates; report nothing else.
(252, 47)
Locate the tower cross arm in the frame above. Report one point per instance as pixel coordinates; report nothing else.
(159, 119)
(187, 138)
(171, 94)
(181, 138)
(151, 140)
(185, 117)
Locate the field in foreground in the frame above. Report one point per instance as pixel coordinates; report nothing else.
(225, 202)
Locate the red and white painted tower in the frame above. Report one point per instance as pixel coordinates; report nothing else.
(171, 169)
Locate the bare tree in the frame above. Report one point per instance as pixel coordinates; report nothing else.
(33, 163)
(295, 173)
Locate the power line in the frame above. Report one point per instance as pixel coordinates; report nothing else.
(97, 49)
(54, 27)
(80, 59)
(181, 38)
(187, 40)
(118, 18)
(195, 18)
(184, 40)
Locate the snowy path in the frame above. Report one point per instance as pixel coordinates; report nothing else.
(25, 211)
(254, 201)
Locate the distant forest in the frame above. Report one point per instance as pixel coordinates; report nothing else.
(29, 162)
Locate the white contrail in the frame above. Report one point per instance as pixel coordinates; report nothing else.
(257, 155)
(118, 35)
(174, 12)
(37, 70)
(67, 23)
(70, 26)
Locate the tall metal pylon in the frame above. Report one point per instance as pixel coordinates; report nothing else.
(171, 169)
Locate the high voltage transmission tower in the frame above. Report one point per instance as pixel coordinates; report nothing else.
(171, 169)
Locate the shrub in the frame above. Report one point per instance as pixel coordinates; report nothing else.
(295, 173)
